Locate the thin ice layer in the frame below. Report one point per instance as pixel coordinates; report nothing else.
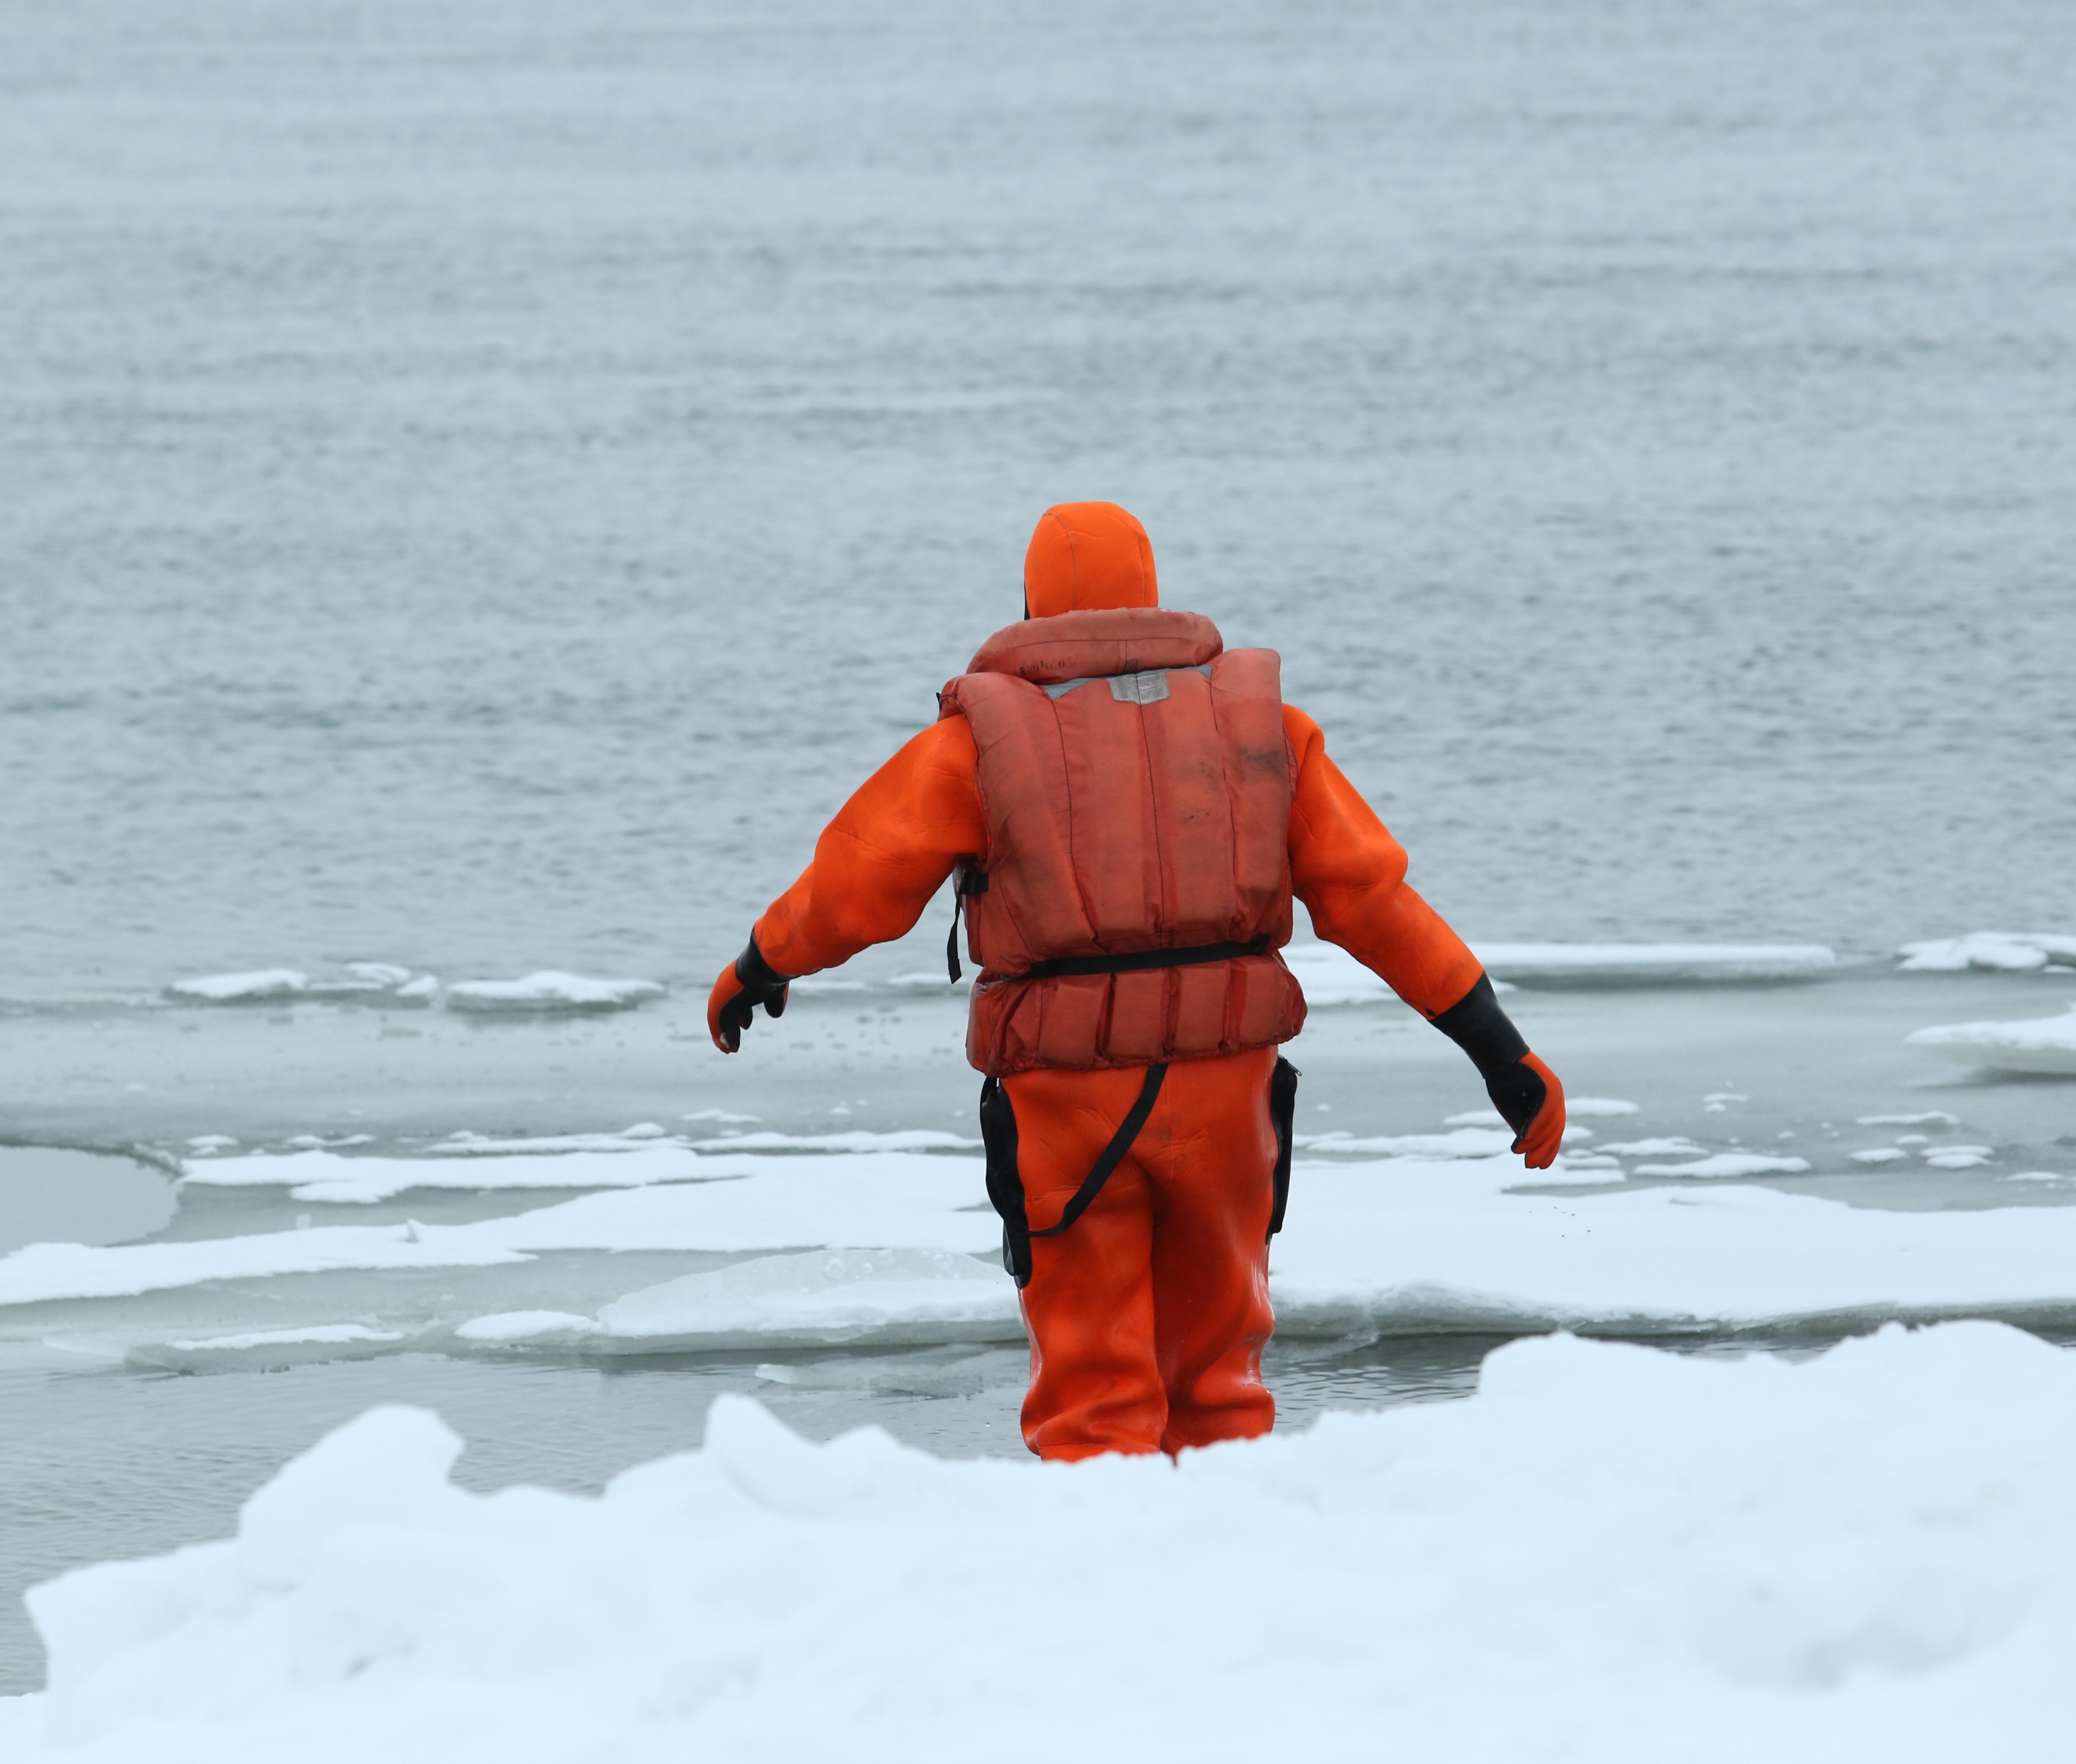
(2029, 1044)
(1608, 1553)
(1403, 1244)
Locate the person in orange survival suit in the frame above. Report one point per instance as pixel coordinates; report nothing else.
(1129, 808)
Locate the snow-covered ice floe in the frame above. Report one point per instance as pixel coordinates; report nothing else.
(636, 1157)
(583, 1161)
(2005, 951)
(1615, 963)
(1411, 1246)
(267, 1349)
(852, 1139)
(1396, 1245)
(259, 985)
(267, 985)
(1608, 1553)
(549, 990)
(1729, 1165)
(892, 1298)
(742, 1202)
(2029, 1044)
(1578, 1108)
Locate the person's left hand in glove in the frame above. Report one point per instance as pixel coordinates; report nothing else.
(745, 983)
(1529, 1097)
(1524, 1090)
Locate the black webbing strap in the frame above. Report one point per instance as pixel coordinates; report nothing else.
(1112, 1154)
(1141, 958)
(969, 879)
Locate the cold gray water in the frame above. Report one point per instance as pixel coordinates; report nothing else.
(484, 481)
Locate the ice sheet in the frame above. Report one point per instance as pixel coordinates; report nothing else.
(1330, 976)
(319, 1335)
(854, 1139)
(549, 990)
(2009, 951)
(2030, 1044)
(1608, 1553)
(1402, 1243)
(261, 986)
(1411, 1245)
(51, 1271)
(1723, 1165)
(253, 987)
(325, 1177)
(1657, 962)
(892, 1297)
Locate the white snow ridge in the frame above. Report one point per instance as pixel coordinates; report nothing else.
(2007, 951)
(550, 990)
(2030, 1044)
(1609, 1553)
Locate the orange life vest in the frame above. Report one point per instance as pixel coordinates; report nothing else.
(1135, 782)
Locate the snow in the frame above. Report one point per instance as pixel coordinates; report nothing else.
(325, 1177)
(1729, 1164)
(2029, 1044)
(1959, 1157)
(468, 1145)
(2006, 951)
(1885, 1154)
(524, 1326)
(819, 1299)
(254, 987)
(1330, 976)
(1462, 1143)
(854, 1139)
(1410, 1247)
(1402, 1243)
(1930, 1117)
(319, 1335)
(1671, 1148)
(1609, 1552)
(259, 985)
(1615, 962)
(53, 1271)
(1576, 1108)
(550, 990)
(894, 1298)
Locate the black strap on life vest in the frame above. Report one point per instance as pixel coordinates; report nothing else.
(971, 879)
(1143, 958)
(1112, 1154)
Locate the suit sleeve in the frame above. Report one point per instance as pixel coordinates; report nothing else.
(1350, 874)
(889, 849)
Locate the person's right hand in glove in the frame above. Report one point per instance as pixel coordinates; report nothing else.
(745, 983)
(1524, 1090)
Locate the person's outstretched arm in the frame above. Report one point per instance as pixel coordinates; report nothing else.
(1350, 874)
(876, 866)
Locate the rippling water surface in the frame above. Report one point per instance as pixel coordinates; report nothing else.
(483, 480)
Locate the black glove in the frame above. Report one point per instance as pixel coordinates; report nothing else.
(751, 982)
(1524, 1090)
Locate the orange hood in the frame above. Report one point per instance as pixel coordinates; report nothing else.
(1085, 557)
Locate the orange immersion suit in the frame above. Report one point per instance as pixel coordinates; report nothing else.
(1147, 1305)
